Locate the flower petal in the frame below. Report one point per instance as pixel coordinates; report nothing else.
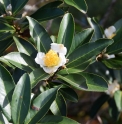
(110, 31)
(50, 70)
(63, 60)
(39, 58)
(59, 48)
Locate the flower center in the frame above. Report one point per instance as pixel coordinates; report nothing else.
(51, 59)
(112, 36)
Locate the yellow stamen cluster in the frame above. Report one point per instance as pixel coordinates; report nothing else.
(112, 36)
(51, 59)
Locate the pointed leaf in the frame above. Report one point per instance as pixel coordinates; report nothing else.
(21, 100)
(48, 11)
(87, 51)
(25, 47)
(114, 63)
(80, 38)
(21, 61)
(17, 5)
(50, 119)
(86, 81)
(69, 94)
(6, 89)
(118, 99)
(66, 31)
(98, 104)
(41, 104)
(118, 24)
(58, 106)
(6, 27)
(97, 29)
(78, 4)
(40, 36)
(5, 3)
(38, 75)
(4, 44)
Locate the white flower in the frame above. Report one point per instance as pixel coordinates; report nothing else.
(110, 32)
(9, 8)
(53, 59)
(112, 88)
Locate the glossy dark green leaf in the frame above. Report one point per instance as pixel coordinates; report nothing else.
(118, 99)
(80, 38)
(87, 51)
(49, 11)
(40, 36)
(25, 47)
(78, 4)
(118, 24)
(17, 5)
(79, 68)
(58, 106)
(5, 35)
(2, 59)
(50, 119)
(113, 110)
(69, 94)
(66, 31)
(4, 44)
(41, 105)
(6, 27)
(21, 61)
(6, 88)
(116, 47)
(114, 63)
(3, 119)
(38, 75)
(21, 100)
(85, 81)
(97, 29)
(98, 104)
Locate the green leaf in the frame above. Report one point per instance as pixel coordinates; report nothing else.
(98, 104)
(21, 61)
(80, 38)
(97, 29)
(66, 31)
(41, 104)
(2, 8)
(24, 46)
(2, 59)
(58, 106)
(113, 110)
(114, 63)
(4, 44)
(17, 5)
(118, 24)
(85, 81)
(118, 99)
(6, 89)
(5, 3)
(87, 51)
(40, 36)
(3, 119)
(51, 119)
(69, 94)
(5, 35)
(78, 4)
(21, 100)
(116, 47)
(6, 27)
(38, 75)
(48, 11)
